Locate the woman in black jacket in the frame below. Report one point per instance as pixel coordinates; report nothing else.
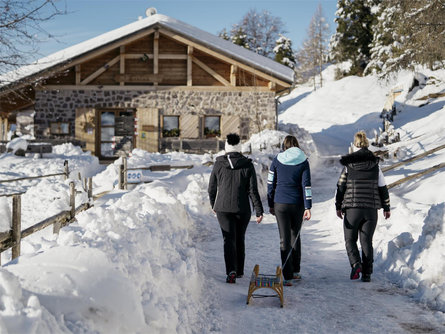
(361, 191)
(232, 182)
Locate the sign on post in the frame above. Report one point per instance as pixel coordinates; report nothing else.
(134, 176)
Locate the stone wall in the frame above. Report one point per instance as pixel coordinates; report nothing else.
(256, 109)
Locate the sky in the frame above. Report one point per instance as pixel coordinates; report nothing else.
(165, 267)
(90, 18)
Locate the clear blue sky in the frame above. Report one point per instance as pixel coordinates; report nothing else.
(90, 18)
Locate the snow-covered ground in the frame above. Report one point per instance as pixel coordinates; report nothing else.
(150, 259)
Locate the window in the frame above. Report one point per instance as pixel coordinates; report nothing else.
(170, 126)
(212, 127)
(60, 128)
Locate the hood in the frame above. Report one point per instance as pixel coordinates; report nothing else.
(362, 159)
(233, 160)
(292, 156)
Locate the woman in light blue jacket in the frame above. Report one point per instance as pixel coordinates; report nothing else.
(289, 197)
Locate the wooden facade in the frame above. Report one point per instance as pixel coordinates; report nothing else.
(138, 88)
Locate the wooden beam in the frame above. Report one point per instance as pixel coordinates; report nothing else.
(224, 58)
(101, 70)
(151, 56)
(233, 72)
(189, 65)
(272, 85)
(210, 71)
(156, 55)
(158, 88)
(78, 73)
(122, 63)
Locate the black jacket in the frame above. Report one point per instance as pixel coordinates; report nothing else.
(232, 182)
(357, 186)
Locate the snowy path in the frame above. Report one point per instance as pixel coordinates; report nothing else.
(324, 301)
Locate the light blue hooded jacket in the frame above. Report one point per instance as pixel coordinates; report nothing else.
(289, 179)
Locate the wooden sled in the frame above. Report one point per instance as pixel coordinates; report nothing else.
(259, 281)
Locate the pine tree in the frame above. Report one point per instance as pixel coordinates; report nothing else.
(408, 33)
(284, 53)
(239, 37)
(354, 34)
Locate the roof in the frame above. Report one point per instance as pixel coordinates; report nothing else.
(214, 42)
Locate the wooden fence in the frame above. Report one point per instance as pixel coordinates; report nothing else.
(123, 171)
(65, 173)
(13, 237)
(416, 175)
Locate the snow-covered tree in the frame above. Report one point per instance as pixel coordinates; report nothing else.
(284, 53)
(354, 34)
(239, 37)
(408, 33)
(258, 32)
(21, 30)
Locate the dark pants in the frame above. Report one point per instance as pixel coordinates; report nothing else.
(233, 227)
(360, 222)
(289, 219)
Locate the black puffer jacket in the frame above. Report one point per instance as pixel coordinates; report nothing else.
(232, 182)
(357, 186)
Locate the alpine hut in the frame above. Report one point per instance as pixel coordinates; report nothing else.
(156, 84)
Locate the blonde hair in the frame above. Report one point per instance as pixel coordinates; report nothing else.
(360, 140)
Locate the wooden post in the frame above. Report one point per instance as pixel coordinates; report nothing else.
(90, 190)
(67, 172)
(120, 177)
(16, 225)
(73, 199)
(124, 159)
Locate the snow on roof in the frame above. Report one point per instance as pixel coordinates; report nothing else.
(212, 41)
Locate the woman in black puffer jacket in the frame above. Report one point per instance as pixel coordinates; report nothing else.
(232, 182)
(361, 191)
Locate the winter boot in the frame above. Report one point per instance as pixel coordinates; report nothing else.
(287, 282)
(297, 276)
(366, 277)
(231, 278)
(356, 270)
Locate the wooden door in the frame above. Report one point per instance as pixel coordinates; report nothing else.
(85, 127)
(148, 129)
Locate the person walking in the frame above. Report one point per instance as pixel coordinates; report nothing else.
(289, 196)
(361, 191)
(232, 182)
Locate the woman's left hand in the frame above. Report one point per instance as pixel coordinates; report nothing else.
(307, 214)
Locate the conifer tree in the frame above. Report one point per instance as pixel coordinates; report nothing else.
(408, 33)
(284, 53)
(353, 36)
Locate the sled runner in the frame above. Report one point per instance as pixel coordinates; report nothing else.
(259, 281)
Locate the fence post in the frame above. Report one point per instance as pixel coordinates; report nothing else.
(90, 190)
(125, 173)
(67, 172)
(120, 177)
(72, 200)
(16, 225)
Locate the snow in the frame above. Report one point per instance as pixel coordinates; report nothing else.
(150, 259)
(191, 32)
